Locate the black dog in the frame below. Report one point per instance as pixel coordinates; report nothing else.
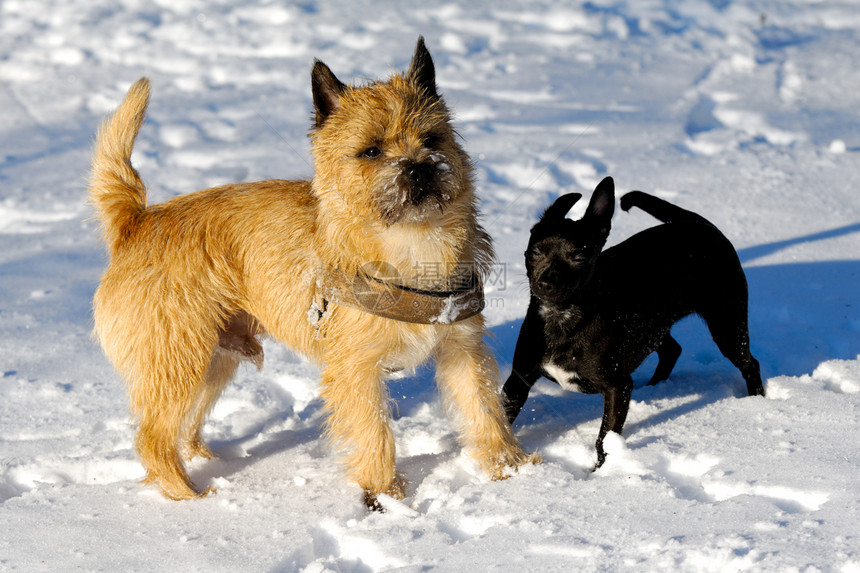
(593, 317)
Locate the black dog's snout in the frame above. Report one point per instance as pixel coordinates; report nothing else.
(548, 281)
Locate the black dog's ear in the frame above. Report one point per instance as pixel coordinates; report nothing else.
(327, 90)
(560, 207)
(602, 206)
(421, 70)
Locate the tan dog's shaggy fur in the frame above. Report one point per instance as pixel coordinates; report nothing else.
(194, 281)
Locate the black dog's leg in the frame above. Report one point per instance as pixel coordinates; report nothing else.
(668, 353)
(516, 391)
(616, 403)
(731, 333)
(752, 375)
(525, 369)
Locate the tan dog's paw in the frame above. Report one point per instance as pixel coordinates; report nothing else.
(187, 493)
(197, 448)
(177, 491)
(397, 490)
(511, 462)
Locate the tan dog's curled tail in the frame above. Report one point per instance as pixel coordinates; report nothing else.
(116, 190)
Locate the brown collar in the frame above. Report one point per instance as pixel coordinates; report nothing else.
(402, 303)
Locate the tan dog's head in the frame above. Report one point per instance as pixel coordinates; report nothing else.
(387, 151)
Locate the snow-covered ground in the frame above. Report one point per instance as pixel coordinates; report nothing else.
(745, 111)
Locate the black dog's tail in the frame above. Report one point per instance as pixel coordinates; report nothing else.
(663, 210)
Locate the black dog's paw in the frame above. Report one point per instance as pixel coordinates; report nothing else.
(630, 199)
(601, 459)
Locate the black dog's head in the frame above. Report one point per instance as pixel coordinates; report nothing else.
(562, 253)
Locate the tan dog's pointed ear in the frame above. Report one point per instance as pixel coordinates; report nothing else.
(421, 70)
(327, 90)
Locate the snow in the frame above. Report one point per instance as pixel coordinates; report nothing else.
(744, 111)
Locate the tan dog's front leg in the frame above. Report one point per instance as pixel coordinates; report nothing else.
(356, 400)
(468, 378)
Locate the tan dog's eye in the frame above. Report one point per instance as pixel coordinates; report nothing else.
(432, 141)
(371, 152)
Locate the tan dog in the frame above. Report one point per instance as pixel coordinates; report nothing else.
(194, 281)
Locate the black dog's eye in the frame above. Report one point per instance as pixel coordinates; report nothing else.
(371, 152)
(577, 257)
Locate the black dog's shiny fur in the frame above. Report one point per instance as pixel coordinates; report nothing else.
(594, 316)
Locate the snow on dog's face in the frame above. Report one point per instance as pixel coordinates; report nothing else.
(561, 253)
